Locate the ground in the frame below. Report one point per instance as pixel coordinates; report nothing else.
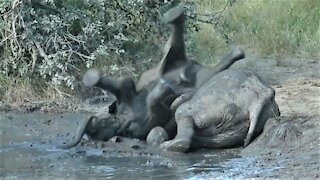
(289, 147)
(290, 142)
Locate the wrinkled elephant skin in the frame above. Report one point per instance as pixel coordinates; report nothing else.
(228, 110)
(99, 127)
(180, 76)
(136, 111)
(126, 115)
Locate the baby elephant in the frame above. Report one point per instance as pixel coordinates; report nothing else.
(229, 110)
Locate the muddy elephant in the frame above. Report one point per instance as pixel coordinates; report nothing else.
(97, 127)
(177, 75)
(129, 115)
(125, 116)
(213, 109)
(228, 110)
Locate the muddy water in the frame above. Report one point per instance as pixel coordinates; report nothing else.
(28, 152)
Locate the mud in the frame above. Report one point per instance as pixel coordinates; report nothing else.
(28, 151)
(288, 148)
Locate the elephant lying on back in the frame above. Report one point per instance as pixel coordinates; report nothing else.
(179, 76)
(130, 115)
(211, 110)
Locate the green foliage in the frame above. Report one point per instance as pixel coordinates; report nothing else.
(56, 40)
(52, 42)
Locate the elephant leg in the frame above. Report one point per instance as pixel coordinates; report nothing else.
(93, 78)
(123, 126)
(174, 55)
(160, 134)
(156, 102)
(228, 60)
(171, 128)
(183, 139)
(80, 132)
(124, 89)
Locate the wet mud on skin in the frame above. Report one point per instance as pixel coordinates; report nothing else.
(289, 147)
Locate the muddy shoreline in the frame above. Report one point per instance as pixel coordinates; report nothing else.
(289, 147)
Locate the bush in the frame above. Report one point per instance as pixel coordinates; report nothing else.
(49, 44)
(56, 40)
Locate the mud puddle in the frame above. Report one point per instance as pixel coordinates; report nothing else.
(28, 151)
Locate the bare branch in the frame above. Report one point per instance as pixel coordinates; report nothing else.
(41, 51)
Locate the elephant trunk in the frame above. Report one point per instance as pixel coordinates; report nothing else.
(80, 132)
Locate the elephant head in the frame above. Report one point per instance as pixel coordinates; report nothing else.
(126, 114)
(129, 107)
(97, 127)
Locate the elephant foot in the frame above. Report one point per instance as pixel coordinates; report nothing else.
(91, 78)
(157, 136)
(174, 14)
(176, 145)
(237, 54)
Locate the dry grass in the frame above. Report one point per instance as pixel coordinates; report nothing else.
(18, 92)
(277, 28)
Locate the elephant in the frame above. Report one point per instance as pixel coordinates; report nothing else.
(129, 115)
(179, 76)
(213, 109)
(97, 127)
(125, 114)
(228, 110)
(174, 47)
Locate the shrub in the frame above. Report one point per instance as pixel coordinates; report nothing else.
(55, 41)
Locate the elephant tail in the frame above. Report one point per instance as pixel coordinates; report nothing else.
(255, 115)
(80, 132)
